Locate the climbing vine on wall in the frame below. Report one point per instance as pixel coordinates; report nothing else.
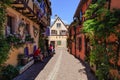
(98, 27)
(4, 46)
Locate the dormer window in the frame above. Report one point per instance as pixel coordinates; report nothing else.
(58, 25)
(76, 19)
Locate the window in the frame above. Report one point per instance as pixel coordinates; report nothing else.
(53, 32)
(10, 28)
(58, 25)
(80, 44)
(27, 30)
(63, 32)
(35, 31)
(58, 42)
(80, 15)
(94, 1)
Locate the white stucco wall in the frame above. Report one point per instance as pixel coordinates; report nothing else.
(58, 37)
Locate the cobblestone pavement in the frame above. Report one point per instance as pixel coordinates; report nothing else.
(62, 66)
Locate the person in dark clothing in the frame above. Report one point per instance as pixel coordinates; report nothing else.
(51, 50)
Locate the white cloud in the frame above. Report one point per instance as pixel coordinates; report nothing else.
(52, 20)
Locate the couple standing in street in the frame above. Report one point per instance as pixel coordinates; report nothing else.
(39, 56)
(51, 50)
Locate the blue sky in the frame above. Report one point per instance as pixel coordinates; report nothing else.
(65, 9)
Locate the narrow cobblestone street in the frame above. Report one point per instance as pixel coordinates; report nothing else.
(62, 66)
(59, 40)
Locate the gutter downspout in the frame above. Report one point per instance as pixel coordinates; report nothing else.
(75, 39)
(109, 4)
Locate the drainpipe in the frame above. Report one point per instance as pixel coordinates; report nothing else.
(117, 57)
(76, 20)
(75, 39)
(109, 4)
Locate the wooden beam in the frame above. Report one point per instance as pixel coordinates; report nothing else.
(27, 1)
(19, 9)
(18, 5)
(30, 15)
(22, 7)
(26, 11)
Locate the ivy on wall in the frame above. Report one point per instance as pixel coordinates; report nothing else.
(4, 46)
(6, 72)
(98, 27)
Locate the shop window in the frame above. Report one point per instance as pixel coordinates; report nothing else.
(58, 42)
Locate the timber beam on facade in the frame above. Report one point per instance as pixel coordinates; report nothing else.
(43, 23)
(22, 7)
(48, 3)
(30, 15)
(18, 5)
(26, 11)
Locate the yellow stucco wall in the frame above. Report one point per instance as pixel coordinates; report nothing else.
(13, 56)
(14, 52)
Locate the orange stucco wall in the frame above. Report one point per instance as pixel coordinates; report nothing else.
(115, 4)
(73, 48)
(84, 7)
(81, 54)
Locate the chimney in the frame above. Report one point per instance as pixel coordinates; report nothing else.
(56, 16)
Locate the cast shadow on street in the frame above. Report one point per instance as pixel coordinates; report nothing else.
(87, 71)
(32, 72)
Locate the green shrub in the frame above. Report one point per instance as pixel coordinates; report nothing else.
(8, 72)
(4, 50)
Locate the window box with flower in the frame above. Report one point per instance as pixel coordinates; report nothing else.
(14, 40)
(29, 39)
